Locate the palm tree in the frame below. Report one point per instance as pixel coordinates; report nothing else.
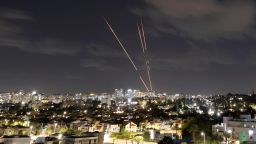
(193, 129)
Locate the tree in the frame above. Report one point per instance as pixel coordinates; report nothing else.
(193, 129)
(126, 135)
(122, 135)
(115, 136)
(138, 139)
(146, 136)
(37, 127)
(49, 130)
(72, 132)
(166, 140)
(63, 129)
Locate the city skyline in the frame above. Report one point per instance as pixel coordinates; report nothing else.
(56, 47)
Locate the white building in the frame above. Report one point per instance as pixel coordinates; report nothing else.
(112, 128)
(242, 129)
(118, 93)
(129, 93)
(132, 127)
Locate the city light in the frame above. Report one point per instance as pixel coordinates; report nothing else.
(152, 134)
(250, 132)
(60, 136)
(210, 112)
(122, 72)
(229, 131)
(34, 92)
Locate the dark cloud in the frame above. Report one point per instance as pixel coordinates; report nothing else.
(99, 64)
(54, 46)
(12, 14)
(201, 25)
(101, 50)
(196, 59)
(199, 56)
(201, 19)
(15, 35)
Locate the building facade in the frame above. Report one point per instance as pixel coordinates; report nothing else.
(237, 130)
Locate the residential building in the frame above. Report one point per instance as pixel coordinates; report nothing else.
(132, 127)
(89, 138)
(241, 129)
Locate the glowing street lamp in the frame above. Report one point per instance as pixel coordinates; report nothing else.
(230, 134)
(250, 131)
(210, 112)
(60, 136)
(34, 92)
(230, 131)
(203, 134)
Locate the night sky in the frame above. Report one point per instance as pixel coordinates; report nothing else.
(194, 46)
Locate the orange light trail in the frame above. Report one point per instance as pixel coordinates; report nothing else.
(127, 54)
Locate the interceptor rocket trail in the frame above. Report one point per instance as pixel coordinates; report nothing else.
(121, 45)
(141, 41)
(143, 35)
(144, 47)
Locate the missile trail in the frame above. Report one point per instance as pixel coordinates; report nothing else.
(121, 45)
(143, 44)
(143, 82)
(143, 35)
(141, 41)
(147, 61)
(143, 49)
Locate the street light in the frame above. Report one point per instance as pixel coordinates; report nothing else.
(229, 134)
(203, 134)
(33, 92)
(55, 125)
(31, 127)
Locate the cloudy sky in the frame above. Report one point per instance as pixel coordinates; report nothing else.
(194, 46)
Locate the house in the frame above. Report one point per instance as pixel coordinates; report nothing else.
(112, 128)
(132, 127)
(79, 124)
(159, 129)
